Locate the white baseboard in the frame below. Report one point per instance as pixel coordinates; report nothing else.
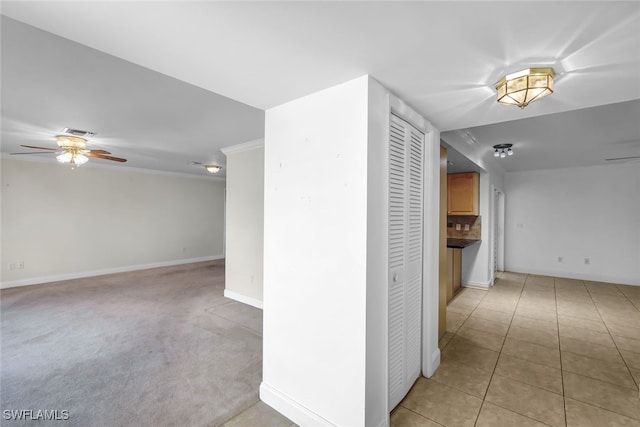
(478, 285)
(596, 277)
(81, 275)
(428, 371)
(243, 298)
(290, 408)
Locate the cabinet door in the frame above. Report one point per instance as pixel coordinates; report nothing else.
(406, 145)
(457, 270)
(463, 193)
(449, 274)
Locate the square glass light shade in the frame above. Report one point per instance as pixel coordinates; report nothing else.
(525, 86)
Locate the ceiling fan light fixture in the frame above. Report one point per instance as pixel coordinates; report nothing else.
(73, 158)
(75, 150)
(212, 168)
(70, 141)
(525, 86)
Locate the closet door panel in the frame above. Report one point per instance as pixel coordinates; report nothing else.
(413, 293)
(405, 256)
(397, 245)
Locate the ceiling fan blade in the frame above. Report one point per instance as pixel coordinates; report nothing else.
(99, 152)
(41, 148)
(101, 156)
(34, 152)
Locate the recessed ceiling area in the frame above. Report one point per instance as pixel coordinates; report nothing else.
(585, 137)
(164, 84)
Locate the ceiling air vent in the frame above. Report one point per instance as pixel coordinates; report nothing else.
(76, 132)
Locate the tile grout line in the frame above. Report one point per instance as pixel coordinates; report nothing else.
(614, 341)
(626, 296)
(452, 337)
(493, 372)
(418, 413)
(540, 388)
(557, 322)
(564, 399)
(456, 333)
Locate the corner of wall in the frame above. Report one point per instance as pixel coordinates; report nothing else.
(254, 302)
(292, 409)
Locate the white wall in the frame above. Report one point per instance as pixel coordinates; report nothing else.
(67, 223)
(315, 256)
(325, 255)
(577, 213)
(477, 260)
(244, 222)
(377, 344)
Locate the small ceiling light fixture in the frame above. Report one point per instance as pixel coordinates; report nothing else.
(75, 150)
(525, 86)
(502, 150)
(212, 168)
(208, 168)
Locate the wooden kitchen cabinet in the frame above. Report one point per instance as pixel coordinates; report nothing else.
(454, 273)
(463, 193)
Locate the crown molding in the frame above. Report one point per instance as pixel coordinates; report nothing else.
(245, 146)
(116, 167)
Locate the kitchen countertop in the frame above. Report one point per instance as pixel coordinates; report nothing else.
(460, 243)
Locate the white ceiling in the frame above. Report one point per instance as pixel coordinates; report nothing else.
(440, 57)
(152, 120)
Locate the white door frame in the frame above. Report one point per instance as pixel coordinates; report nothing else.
(497, 232)
(431, 230)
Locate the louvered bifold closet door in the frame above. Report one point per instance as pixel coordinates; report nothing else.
(405, 256)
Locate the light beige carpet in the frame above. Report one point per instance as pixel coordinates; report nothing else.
(159, 347)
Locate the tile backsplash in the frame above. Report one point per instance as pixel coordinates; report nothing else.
(474, 223)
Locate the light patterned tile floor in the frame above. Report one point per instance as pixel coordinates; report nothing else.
(534, 351)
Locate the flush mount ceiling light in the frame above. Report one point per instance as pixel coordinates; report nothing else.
(525, 86)
(212, 168)
(502, 150)
(208, 168)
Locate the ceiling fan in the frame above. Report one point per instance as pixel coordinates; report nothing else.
(72, 149)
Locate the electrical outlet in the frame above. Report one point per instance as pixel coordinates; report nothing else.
(21, 265)
(466, 227)
(458, 227)
(587, 261)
